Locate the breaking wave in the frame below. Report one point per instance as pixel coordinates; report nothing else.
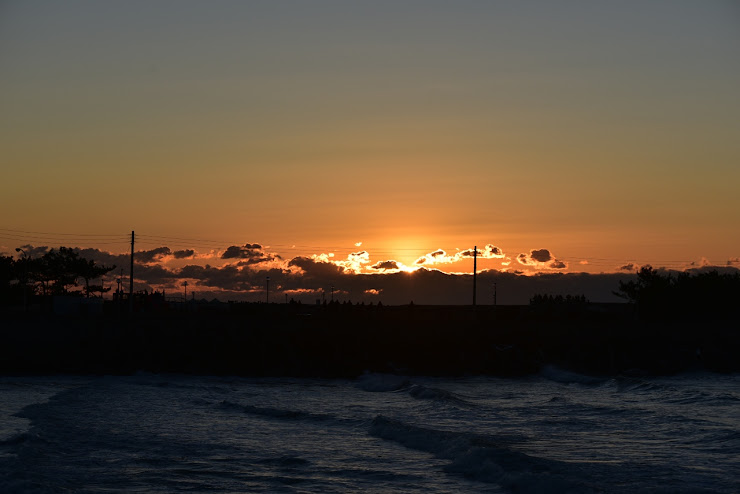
(379, 383)
(436, 394)
(483, 458)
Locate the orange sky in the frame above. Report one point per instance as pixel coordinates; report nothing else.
(602, 133)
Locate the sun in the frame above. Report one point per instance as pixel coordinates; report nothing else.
(407, 249)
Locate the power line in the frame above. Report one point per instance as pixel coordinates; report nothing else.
(184, 239)
(29, 240)
(98, 235)
(53, 238)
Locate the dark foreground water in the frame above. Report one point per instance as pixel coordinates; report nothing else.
(556, 432)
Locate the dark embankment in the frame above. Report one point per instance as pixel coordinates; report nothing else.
(333, 341)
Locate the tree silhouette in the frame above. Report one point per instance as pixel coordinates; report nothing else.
(707, 295)
(88, 270)
(59, 269)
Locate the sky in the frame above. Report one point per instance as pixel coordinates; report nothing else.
(569, 136)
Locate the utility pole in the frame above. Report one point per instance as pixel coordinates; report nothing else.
(475, 271)
(185, 284)
(131, 278)
(267, 291)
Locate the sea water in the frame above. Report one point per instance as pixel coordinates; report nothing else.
(554, 432)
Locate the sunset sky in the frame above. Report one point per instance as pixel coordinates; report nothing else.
(603, 133)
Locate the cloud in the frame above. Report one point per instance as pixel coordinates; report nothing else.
(628, 267)
(154, 255)
(183, 254)
(439, 256)
(703, 262)
(142, 257)
(733, 260)
(154, 274)
(489, 251)
(248, 254)
(226, 277)
(373, 291)
(583, 261)
(248, 251)
(358, 244)
(354, 263)
(386, 265)
(540, 255)
(302, 291)
(315, 268)
(558, 264)
(229, 278)
(541, 258)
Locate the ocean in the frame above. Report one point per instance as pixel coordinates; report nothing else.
(552, 432)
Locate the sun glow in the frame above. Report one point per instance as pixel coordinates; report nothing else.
(405, 250)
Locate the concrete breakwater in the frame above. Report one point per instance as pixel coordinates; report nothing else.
(284, 340)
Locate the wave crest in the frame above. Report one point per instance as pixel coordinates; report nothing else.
(481, 458)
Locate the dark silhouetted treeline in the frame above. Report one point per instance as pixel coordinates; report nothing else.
(659, 296)
(57, 272)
